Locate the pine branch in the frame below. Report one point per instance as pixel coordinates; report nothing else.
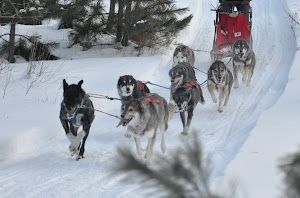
(185, 173)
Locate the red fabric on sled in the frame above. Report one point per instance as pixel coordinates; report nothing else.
(236, 28)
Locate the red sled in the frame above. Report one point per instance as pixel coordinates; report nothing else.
(230, 27)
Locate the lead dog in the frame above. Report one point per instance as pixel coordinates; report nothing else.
(186, 99)
(183, 53)
(143, 117)
(243, 61)
(219, 78)
(76, 111)
(129, 88)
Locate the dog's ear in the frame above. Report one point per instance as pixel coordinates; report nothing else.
(120, 80)
(80, 83)
(65, 84)
(134, 80)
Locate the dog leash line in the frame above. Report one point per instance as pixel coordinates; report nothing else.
(106, 113)
(229, 61)
(146, 82)
(199, 70)
(102, 96)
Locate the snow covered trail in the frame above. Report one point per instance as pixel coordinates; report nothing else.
(40, 165)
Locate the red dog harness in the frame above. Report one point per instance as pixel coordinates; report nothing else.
(192, 84)
(151, 99)
(142, 88)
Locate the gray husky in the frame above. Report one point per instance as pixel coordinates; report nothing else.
(129, 88)
(219, 78)
(76, 111)
(186, 98)
(244, 61)
(183, 53)
(179, 74)
(143, 117)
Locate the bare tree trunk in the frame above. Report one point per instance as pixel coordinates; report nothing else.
(111, 15)
(127, 23)
(11, 47)
(120, 21)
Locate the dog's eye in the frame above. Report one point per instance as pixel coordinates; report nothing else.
(222, 70)
(181, 97)
(215, 70)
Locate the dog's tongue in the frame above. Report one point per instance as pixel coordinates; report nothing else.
(122, 121)
(173, 85)
(71, 113)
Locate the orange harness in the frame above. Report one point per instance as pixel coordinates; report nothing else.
(142, 88)
(192, 84)
(152, 100)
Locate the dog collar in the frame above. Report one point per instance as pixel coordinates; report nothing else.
(215, 83)
(73, 118)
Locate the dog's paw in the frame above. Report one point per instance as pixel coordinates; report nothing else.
(184, 133)
(214, 99)
(163, 148)
(79, 157)
(127, 135)
(236, 85)
(148, 162)
(74, 147)
(75, 152)
(220, 110)
(142, 152)
(244, 80)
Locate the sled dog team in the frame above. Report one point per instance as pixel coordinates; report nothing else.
(144, 112)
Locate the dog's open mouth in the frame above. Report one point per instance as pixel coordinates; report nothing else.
(124, 122)
(241, 55)
(71, 112)
(174, 85)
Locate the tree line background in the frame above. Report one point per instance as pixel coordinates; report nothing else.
(147, 23)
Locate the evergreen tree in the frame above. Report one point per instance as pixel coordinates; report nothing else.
(85, 17)
(149, 22)
(111, 16)
(18, 12)
(69, 12)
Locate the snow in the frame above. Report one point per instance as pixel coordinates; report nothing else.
(244, 142)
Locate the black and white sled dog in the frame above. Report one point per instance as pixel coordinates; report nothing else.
(76, 111)
(244, 61)
(219, 78)
(183, 53)
(129, 88)
(186, 99)
(143, 117)
(179, 74)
